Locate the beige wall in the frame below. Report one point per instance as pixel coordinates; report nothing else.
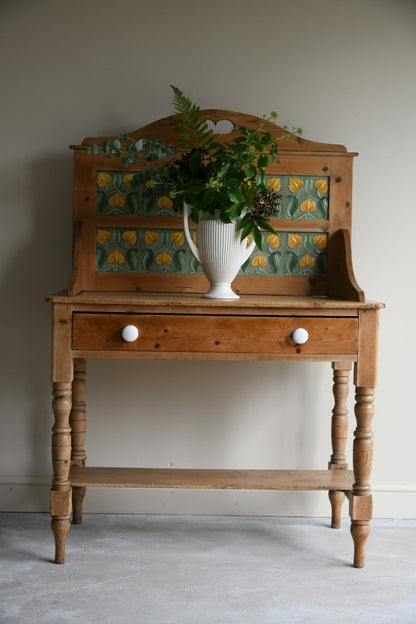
(342, 70)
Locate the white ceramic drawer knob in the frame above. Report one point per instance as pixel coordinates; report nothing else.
(300, 335)
(130, 333)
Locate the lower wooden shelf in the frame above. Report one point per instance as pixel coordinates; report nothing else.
(212, 479)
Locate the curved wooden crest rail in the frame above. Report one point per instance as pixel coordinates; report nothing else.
(130, 267)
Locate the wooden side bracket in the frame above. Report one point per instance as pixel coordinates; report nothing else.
(342, 281)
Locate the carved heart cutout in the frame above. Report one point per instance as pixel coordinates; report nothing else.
(223, 126)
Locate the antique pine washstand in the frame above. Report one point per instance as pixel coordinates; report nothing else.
(135, 292)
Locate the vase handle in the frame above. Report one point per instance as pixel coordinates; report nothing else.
(193, 248)
(248, 251)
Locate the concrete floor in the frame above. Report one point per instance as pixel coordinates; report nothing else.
(125, 569)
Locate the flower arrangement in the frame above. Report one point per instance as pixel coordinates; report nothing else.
(226, 179)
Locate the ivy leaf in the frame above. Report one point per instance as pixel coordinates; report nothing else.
(232, 183)
(194, 186)
(262, 161)
(208, 199)
(233, 211)
(249, 171)
(235, 196)
(224, 170)
(225, 218)
(194, 215)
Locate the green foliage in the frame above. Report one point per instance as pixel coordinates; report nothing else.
(192, 126)
(223, 178)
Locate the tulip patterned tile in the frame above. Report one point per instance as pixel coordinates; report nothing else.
(144, 251)
(303, 197)
(164, 250)
(303, 253)
(117, 194)
(306, 254)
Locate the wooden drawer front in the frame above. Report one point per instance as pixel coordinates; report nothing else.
(214, 334)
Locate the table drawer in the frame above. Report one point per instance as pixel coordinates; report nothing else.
(214, 334)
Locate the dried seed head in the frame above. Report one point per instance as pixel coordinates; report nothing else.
(266, 204)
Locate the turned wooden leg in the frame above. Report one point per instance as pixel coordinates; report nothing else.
(60, 497)
(339, 434)
(361, 503)
(78, 422)
(60, 528)
(336, 498)
(78, 495)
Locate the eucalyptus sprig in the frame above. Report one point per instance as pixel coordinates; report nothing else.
(150, 150)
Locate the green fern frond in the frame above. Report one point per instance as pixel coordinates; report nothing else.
(193, 127)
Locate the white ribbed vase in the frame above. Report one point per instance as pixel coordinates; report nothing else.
(220, 252)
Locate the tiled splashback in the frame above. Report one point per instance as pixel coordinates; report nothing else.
(165, 250)
(162, 250)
